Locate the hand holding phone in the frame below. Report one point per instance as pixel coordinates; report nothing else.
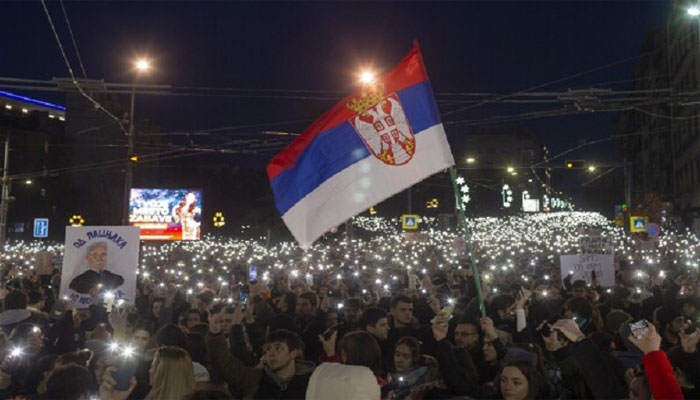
(639, 329)
(252, 274)
(126, 368)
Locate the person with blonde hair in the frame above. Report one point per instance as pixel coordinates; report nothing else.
(171, 376)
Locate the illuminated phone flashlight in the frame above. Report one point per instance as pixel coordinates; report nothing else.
(424, 291)
(340, 306)
(36, 329)
(162, 284)
(546, 277)
(451, 301)
(189, 291)
(662, 274)
(400, 378)
(544, 293)
(108, 296)
(386, 287)
(230, 300)
(364, 291)
(127, 351)
(114, 346)
(16, 352)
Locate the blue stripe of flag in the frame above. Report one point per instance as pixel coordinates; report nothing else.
(338, 148)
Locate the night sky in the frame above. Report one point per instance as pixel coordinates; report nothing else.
(494, 47)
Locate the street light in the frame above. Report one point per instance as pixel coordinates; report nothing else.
(511, 169)
(142, 66)
(591, 168)
(28, 182)
(471, 160)
(694, 11)
(367, 77)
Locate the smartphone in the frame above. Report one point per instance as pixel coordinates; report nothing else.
(329, 332)
(639, 328)
(690, 329)
(252, 274)
(412, 281)
(244, 297)
(126, 368)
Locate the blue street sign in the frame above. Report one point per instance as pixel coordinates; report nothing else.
(41, 227)
(409, 221)
(653, 229)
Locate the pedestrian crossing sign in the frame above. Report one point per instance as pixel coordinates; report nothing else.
(638, 224)
(409, 221)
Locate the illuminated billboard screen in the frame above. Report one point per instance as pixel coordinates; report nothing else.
(166, 214)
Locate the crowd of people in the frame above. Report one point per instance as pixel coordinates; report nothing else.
(380, 316)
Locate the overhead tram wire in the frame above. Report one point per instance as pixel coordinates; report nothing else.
(75, 45)
(70, 71)
(151, 157)
(646, 54)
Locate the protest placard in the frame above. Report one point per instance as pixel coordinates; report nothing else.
(99, 260)
(596, 244)
(581, 266)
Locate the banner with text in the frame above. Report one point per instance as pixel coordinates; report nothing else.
(581, 266)
(100, 260)
(596, 244)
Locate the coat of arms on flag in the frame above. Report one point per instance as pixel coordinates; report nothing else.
(368, 147)
(383, 127)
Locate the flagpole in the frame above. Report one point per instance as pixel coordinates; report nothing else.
(467, 237)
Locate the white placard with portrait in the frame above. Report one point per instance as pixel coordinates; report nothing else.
(99, 260)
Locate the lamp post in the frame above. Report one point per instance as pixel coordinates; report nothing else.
(141, 66)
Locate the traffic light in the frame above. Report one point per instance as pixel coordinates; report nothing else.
(575, 164)
(624, 207)
(134, 158)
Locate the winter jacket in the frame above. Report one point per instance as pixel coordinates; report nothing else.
(586, 372)
(659, 373)
(458, 378)
(250, 382)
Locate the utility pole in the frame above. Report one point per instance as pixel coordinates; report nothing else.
(628, 182)
(409, 200)
(5, 194)
(129, 168)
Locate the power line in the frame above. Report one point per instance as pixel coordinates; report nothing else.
(70, 71)
(553, 82)
(75, 45)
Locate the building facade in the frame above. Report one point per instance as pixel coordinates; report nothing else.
(661, 137)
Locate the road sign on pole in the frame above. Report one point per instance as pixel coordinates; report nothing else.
(653, 229)
(41, 227)
(638, 224)
(409, 221)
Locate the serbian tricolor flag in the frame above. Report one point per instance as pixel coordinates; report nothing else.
(370, 146)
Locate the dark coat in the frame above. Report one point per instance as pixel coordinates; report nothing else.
(89, 279)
